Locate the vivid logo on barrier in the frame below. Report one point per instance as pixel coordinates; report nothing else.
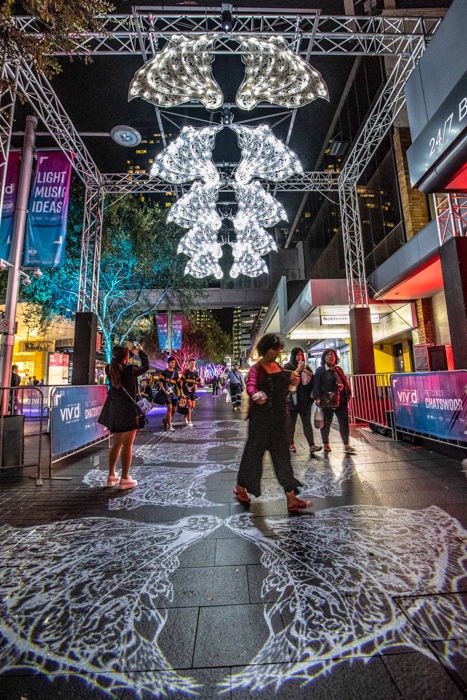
(75, 410)
(434, 403)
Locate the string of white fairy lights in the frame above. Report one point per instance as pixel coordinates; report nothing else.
(181, 73)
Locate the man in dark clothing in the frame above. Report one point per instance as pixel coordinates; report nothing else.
(215, 386)
(14, 381)
(146, 391)
(236, 384)
(301, 400)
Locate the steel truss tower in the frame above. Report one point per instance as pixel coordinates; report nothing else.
(307, 32)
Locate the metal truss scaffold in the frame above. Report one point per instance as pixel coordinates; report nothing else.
(451, 215)
(306, 31)
(388, 105)
(88, 291)
(48, 108)
(122, 183)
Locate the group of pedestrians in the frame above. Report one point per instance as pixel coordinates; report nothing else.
(277, 396)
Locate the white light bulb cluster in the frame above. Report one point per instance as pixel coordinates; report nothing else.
(188, 158)
(275, 74)
(180, 73)
(263, 155)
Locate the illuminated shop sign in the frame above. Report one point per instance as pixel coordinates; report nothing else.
(443, 129)
(342, 320)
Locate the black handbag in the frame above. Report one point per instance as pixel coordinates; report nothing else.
(329, 399)
(138, 414)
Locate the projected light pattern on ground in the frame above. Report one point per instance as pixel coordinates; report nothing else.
(94, 617)
(336, 575)
(337, 579)
(162, 486)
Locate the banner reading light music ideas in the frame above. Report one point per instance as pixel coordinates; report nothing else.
(9, 205)
(48, 211)
(434, 403)
(175, 333)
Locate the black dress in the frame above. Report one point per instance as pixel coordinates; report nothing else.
(268, 430)
(117, 412)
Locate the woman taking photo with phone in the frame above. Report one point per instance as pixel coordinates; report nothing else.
(267, 384)
(331, 391)
(118, 411)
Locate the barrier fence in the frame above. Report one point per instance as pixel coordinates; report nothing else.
(74, 411)
(372, 400)
(21, 444)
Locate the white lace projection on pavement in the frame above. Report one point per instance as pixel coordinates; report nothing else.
(335, 575)
(161, 485)
(86, 603)
(185, 486)
(209, 430)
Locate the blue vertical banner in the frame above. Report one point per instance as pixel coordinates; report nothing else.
(9, 205)
(162, 331)
(48, 211)
(177, 330)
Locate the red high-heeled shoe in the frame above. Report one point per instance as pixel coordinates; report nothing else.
(242, 496)
(299, 505)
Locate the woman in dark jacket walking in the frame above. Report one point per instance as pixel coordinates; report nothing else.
(117, 413)
(301, 400)
(331, 391)
(267, 384)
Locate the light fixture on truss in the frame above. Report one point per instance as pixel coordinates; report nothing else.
(180, 73)
(274, 73)
(263, 155)
(189, 158)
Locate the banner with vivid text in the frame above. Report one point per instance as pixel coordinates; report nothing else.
(48, 211)
(9, 205)
(433, 403)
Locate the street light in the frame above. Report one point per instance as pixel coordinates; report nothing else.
(125, 136)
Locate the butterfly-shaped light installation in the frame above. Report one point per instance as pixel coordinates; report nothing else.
(188, 158)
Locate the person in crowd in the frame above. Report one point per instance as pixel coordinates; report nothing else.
(331, 391)
(118, 411)
(236, 384)
(15, 380)
(189, 378)
(215, 386)
(146, 391)
(169, 381)
(41, 383)
(35, 381)
(301, 400)
(267, 385)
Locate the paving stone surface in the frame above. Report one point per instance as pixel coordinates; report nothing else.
(176, 590)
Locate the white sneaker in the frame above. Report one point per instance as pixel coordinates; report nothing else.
(171, 429)
(190, 424)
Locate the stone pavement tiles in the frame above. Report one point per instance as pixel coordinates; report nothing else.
(175, 590)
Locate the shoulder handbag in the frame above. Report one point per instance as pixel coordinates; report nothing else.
(329, 399)
(138, 413)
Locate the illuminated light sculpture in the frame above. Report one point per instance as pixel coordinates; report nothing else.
(180, 73)
(263, 155)
(275, 74)
(189, 157)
